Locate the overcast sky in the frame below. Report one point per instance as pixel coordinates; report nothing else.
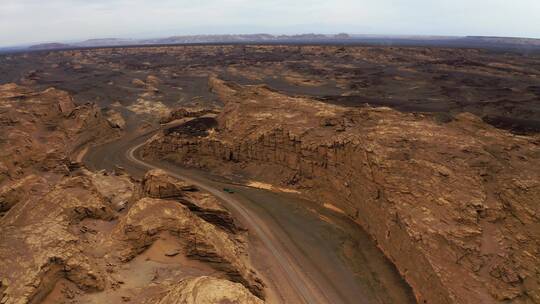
(32, 21)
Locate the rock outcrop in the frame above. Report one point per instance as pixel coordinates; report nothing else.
(453, 203)
(38, 245)
(86, 229)
(158, 184)
(115, 119)
(18, 190)
(40, 130)
(148, 217)
(209, 290)
(185, 112)
(68, 234)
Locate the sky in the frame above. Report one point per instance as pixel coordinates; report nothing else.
(38, 21)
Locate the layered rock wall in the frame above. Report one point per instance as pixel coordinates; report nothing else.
(453, 205)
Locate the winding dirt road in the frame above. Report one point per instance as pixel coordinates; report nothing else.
(297, 253)
(302, 283)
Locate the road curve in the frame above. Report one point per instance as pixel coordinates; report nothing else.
(304, 286)
(297, 249)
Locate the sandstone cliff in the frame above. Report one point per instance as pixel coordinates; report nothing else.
(453, 203)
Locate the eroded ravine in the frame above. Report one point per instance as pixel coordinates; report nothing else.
(306, 253)
(395, 174)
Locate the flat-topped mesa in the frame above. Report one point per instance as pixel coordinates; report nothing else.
(452, 204)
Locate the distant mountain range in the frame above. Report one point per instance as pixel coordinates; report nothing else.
(49, 46)
(526, 44)
(194, 39)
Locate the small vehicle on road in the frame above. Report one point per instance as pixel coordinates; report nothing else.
(230, 191)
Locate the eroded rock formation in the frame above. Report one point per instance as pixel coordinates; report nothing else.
(209, 290)
(73, 232)
(453, 203)
(69, 235)
(40, 130)
(158, 184)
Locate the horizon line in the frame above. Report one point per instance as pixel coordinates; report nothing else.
(82, 40)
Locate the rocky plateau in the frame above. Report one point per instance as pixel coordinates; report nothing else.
(434, 152)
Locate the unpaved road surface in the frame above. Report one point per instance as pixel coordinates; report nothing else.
(297, 250)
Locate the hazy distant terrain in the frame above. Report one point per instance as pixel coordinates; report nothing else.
(506, 43)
